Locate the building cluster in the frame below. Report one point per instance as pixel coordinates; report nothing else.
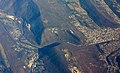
(93, 33)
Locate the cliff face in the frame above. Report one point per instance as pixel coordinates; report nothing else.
(95, 15)
(113, 7)
(28, 11)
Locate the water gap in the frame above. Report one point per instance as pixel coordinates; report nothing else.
(32, 15)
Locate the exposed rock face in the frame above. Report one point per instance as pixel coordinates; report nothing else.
(28, 11)
(96, 16)
(114, 7)
(79, 37)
